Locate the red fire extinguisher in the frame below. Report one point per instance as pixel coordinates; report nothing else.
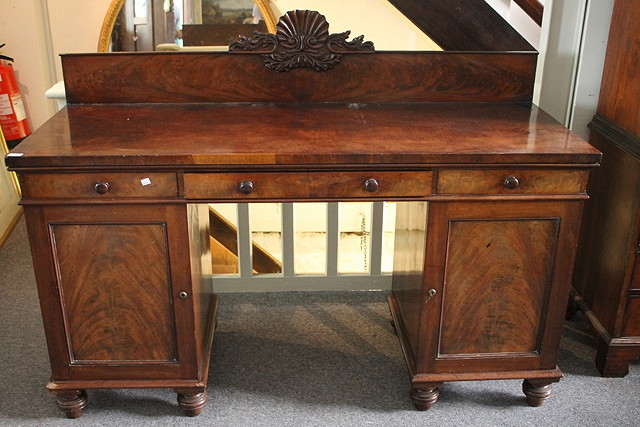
(13, 118)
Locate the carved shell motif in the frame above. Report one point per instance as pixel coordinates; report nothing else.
(302, 30)
(302, 39)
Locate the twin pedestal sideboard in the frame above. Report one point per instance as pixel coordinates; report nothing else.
(490, 191)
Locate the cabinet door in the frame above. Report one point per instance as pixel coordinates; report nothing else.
(109, 279)
(501, 276)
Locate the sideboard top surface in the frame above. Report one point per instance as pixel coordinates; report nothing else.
(220, 135)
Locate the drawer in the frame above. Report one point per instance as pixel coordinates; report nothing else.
(631, 327)
(303, 185)
(634, 283)
(511, 181)
(100, 185)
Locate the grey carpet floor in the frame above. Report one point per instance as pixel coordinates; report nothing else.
(298, 359)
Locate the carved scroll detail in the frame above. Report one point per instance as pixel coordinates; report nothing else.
(302, 40)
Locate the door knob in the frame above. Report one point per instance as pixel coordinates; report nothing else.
(102, 187)
(511, 182)
(246, 187)
(371, 185)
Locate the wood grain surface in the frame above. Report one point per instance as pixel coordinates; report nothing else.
(492, 181)
(609, 237)
(603, 278)
(315, 185)
(620, 87)
(222, 77)
(494, 304)
(83, 185)
(223, 135)
(116, 292)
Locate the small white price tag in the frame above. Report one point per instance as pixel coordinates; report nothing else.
(15, 154)
(145, 182)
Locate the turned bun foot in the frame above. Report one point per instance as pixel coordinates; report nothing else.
(536, 392)
(71, 402)
(424, 396)
(192, 403)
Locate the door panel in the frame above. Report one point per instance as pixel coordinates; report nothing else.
(499, 281)
(109, 281)
(117, 294)
(495, 304)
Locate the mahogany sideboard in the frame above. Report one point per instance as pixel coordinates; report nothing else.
(491, 191)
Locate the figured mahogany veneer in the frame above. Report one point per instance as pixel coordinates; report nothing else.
(511, 181)
(490, 195)
(100, 184)
(302, 135)
(506, 316)
(140, 326)
(195, 77)
(299, 185)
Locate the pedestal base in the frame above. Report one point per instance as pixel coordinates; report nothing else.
(612, 359)
(425, 385)
(613, 354)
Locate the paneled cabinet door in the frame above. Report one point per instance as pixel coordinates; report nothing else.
(497, 279)
(115, 290)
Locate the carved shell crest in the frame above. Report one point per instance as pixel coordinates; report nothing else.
(302, 40)
(302, 30)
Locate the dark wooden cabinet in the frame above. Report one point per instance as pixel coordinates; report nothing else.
(606, 279)
(489, 299)
(119, 300)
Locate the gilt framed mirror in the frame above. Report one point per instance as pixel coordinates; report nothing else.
(147, 25)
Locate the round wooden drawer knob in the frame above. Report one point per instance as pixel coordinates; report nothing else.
(102, 187)
(511, 182)
(246, 187)
(371, 185)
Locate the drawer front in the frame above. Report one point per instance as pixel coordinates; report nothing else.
(631, 326)
(511, 181)
(100, 185)
(298, 185)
